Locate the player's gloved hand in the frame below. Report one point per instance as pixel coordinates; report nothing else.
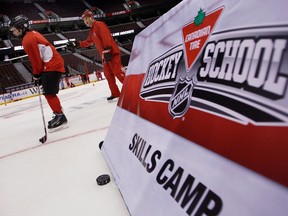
(37, 79)
(73, 44)
(106, 54)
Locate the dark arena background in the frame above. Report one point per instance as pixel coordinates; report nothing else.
(60, 21)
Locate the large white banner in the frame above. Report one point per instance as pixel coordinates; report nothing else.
(201, 125)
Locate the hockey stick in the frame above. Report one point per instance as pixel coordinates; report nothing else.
(44, 138)
(11, 59)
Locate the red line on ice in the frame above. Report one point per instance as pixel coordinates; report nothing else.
(51, 142)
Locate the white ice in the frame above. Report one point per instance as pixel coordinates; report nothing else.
(57, 178)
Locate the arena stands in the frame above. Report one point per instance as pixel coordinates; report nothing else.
(108, 6)
(11, 9)
(148, 21)
(52, 37)
(28, 65)
(9, 76)
(16, 42)
(59, 20)
(77, 63)
(64, 8)
(2, 44)
(92, 54)
(124, 27)
(78, 35)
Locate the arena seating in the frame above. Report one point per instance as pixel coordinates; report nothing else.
(108, 5)
(12, 10)
(148, 21)
(149, 2)
(124, 27)
(2, 44)
(52, 37)
(78, 30)
(126, 41)
(28, 65)
(77, 63)
(92, 54)
(9, 76)
(16, 42)
(128, 46)
(78, 35)
(60, 8)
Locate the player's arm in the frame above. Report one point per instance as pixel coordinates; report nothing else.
(86, 43)
(31, 48)
(76, 44)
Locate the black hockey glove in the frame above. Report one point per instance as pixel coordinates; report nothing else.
(37, 79)
(107, 55)
(72, 45)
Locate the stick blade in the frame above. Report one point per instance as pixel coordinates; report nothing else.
(43, 139)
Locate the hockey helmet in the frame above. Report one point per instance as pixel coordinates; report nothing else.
(19, 22)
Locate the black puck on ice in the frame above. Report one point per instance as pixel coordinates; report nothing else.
(103, 179)
(101, 144)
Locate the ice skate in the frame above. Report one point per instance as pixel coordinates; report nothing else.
(112, 99)
(53, 116)
(58, 122)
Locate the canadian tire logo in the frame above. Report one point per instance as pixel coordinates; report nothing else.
(196, 33)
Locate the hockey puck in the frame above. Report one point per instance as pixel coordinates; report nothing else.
(103, 179)
(100, 144)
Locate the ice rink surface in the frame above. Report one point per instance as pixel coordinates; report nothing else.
(57, 178)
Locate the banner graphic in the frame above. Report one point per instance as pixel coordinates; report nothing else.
(202, 121)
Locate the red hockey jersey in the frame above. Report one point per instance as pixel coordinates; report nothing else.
(101, 37)
(43, 56)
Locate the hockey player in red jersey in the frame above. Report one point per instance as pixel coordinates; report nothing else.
(101, 37)
(47, 65)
